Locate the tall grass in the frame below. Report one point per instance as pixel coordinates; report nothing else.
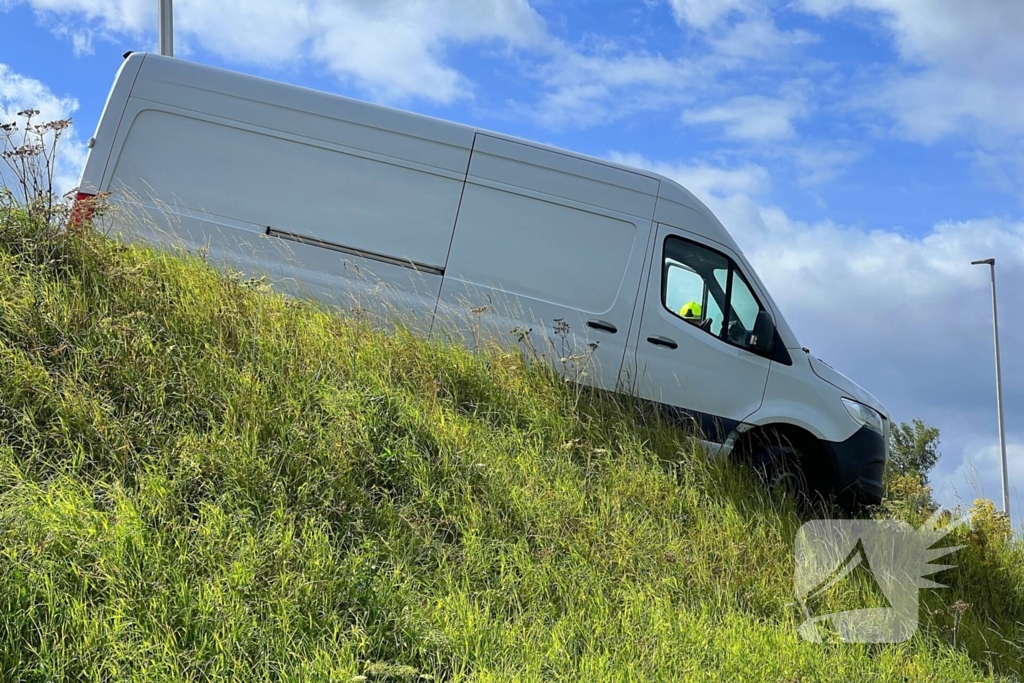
(201, 480)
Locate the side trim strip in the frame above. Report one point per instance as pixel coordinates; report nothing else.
(713, 428)
(361, 253)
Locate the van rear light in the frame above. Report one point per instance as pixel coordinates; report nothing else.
(82, 210)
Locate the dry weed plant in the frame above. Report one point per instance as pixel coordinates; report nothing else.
(29, 151)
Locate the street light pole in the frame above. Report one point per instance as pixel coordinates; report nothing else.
(166, 28)
(991, 263)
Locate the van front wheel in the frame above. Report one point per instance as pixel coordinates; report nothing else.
(779, 469)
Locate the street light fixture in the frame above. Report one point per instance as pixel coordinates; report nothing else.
(999, 385)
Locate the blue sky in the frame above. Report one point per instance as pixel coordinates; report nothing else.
(863, 152)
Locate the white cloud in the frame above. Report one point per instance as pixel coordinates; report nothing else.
(738, 29)
(818, 165)
(115, 15)
(704, 180)
(18, 93)
(906, 316)
(1001, 170)
(962, 63)
(397, 49)
(585, 89)
(757, 38)
(393, 48)
(602, 80)
(753, 117)
(400, 43)
(703, 14)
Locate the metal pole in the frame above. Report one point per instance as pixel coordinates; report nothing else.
(166, 28)
(999, 386)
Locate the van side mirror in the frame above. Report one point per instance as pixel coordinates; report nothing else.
(762, 339)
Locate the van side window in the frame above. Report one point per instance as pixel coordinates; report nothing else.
(706, 289)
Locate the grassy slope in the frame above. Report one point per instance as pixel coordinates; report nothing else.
(200, 481)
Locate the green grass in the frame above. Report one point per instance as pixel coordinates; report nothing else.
(203, 481)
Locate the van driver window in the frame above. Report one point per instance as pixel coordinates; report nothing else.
(697, 283)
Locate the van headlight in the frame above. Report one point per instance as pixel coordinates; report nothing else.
(864, 415)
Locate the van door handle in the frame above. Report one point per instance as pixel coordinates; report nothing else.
(663, 341)
(603, 326)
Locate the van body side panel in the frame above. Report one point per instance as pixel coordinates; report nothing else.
(268, 178)
(317, 115)
(385, 291)
(260, 152)
(91, 180)
(217, 171)
(539, 258)
(563, 176)
(815, 406)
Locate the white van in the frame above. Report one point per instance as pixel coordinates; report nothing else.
(334, 197)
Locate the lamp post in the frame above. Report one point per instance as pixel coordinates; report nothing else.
(991, 263)
(166, 28)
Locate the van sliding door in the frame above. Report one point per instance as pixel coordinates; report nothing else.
(547, 254)
(334, 199)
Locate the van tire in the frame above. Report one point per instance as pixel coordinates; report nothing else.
(779, 469)
(781, 453)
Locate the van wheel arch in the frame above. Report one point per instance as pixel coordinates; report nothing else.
(814, 461)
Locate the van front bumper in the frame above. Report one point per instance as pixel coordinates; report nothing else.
(859, 466)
